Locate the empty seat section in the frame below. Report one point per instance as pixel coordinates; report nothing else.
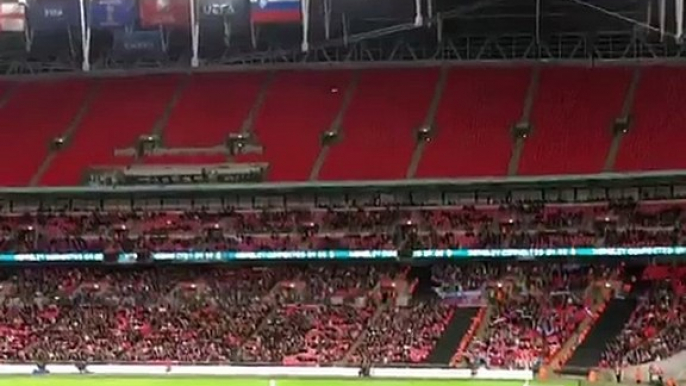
(122, 111)
(572, 120)
(474, 121)
(35, 114)
(211, 107)
(298, 108)
(378, 135)
(657, 132)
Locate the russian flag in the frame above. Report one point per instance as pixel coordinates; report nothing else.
(275, 11)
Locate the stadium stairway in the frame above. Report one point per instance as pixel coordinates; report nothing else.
(609, 325)
(161, 122)
(335, 126)
(477, 110)
(249, 121)
(448, 343)
(158, 126)
(380, 125)
(379, 311)
(658, 108)
(459, 324)
(429, 123)
(519, 141)
(623, 120)
(67, 135)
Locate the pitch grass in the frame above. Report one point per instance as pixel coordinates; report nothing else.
(86, 380)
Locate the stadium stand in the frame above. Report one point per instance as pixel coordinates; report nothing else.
(304, 102)
(655, 329)
(34, 115)
(212, 106)
(519, 225)
(657, 109)
(573, 115)
(289, 314)
(387, 108)
(536, 310)
(477, 111)
(117, 118)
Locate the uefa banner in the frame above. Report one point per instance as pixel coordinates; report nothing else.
(220, 13)
(112, 13)
(50, 15)
(170, 13)
(138, 45)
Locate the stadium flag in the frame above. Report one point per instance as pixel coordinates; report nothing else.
(12, 17)
(227, 16)
(111, 13)
(216, 11)
(51, 15)
(679, 18)
(275, 11)
(172, 13)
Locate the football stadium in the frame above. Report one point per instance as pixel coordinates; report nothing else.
(342, 192)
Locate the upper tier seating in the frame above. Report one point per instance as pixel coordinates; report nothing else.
(658, 113)
(211, 107)
(572, 115)
(123, 110)
(572, 120)
(35, 114)
(299, 107)
(477, 111)
(378, 133)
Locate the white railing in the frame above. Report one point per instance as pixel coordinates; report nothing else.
(270, 371)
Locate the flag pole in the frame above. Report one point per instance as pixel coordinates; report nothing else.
(418, 18)
(305, 4)
(327, 19)
(679, 16)
(85, 37)
(195, 32)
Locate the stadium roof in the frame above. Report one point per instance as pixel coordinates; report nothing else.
(228, 32)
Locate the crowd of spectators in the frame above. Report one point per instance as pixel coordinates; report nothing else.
(404, 334)
(287, 314)
(304, 334)
(537, 308)
(656, 329)
(132, 315)
(198, 314)
(521, 225)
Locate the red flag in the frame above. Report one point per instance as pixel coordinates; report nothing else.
(154, 13)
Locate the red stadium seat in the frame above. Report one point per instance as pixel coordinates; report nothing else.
(478, 109)
(572, 120)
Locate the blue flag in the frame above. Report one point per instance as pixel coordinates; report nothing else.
(112, 13)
